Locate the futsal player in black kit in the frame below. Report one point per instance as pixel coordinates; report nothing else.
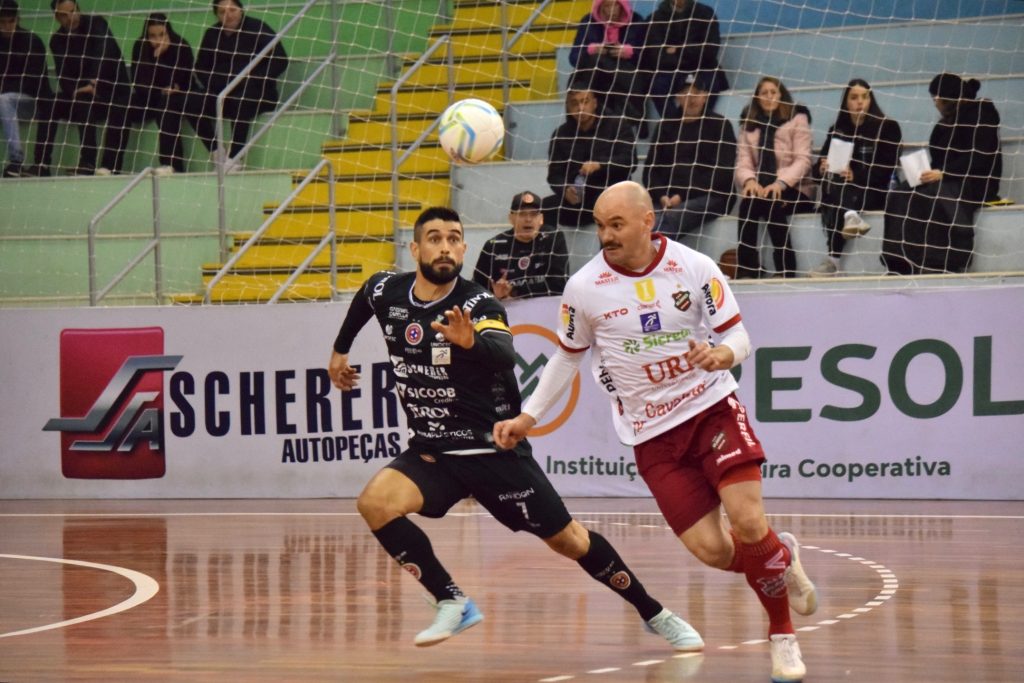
(452, 356)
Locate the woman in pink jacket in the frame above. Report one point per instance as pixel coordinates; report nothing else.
(773, 165)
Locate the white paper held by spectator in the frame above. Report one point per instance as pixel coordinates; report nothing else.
(914, 164)
(839, 154)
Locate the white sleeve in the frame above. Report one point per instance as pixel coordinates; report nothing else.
(556, 378)
(737, 339)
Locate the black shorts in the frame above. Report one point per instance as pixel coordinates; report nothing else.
(511, 487)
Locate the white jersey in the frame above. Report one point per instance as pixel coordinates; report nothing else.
(639, 325)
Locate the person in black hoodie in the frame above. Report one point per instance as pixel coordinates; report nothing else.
(24, 81)
(94, 88)
(227, 48)
(862, 185)
(592, 150)
(682, 35)
(690, 165)
(930, 228)
(162, 66)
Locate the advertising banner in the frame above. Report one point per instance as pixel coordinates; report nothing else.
(854, 394)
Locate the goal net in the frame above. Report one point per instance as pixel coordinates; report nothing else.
(349, 91)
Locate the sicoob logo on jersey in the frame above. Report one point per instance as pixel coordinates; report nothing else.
(111, 403)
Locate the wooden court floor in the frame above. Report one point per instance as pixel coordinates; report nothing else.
(284, 590)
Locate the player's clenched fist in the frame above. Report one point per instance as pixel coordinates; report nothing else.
(508, 433)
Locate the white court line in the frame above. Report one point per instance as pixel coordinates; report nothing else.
(145, 588)
(885, 574)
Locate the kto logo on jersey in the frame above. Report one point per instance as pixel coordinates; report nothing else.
(111, 403)
(645, 290)
(714, 295)
(615, 313)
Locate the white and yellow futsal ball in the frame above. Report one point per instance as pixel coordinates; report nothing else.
(471, 131)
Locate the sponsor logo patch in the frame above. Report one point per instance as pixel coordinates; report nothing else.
(620, 581)
(650, 322)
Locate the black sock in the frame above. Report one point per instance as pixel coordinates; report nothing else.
(605, 565)
(411, 548)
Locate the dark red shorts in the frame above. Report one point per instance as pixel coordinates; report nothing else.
(683, 466)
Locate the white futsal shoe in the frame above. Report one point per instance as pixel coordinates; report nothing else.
(677, 632)
(453, 616)
(787, 662)
(803, 596)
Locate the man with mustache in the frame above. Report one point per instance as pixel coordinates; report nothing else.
(675, 403)
(452, 356)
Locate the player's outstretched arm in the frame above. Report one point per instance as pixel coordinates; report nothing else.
(343, 375)
(508, 433)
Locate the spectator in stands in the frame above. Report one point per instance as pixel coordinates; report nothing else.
(592, 150)
(94, 89)
(690, 164)
(227, 48)
(930, 228)
(24, 83)
(682, 35)
(773, 168)
(607, 50)
(864, 182)
(526, 261)
(162, 66)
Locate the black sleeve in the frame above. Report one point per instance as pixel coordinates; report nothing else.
(887, 150)
(484, 271)
(558, 266)
(359, 313)
(206, 59)
(558, 164)
(275, 63)
(816, 164)
(725, 163)
(658, 165)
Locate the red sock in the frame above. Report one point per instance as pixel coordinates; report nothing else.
(737, 557)
(764, 563)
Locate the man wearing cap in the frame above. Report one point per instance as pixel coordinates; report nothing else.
(690, 164)
(528, 260)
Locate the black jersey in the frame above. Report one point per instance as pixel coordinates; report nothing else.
(539, 267)
(452, 396)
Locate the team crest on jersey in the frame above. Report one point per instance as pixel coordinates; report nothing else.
(645, 290)
(523, 263)
(414, 333)
(650, 322)
(681, 299)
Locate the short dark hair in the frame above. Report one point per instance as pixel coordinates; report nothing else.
(54, 3)
(434, 213)
(217, 2)
(8, 9)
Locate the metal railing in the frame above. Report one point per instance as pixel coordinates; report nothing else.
(95, 293)
(330, 237)
(398, 159)
(507, 44)
(223, 161)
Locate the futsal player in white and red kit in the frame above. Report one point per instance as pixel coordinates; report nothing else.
(648, 308)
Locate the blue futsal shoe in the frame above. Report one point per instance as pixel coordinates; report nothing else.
(677, 632)
(453, 616)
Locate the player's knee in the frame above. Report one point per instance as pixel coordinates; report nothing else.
(713, 554)
(749, 525)
(376, 508)
(572, 541)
